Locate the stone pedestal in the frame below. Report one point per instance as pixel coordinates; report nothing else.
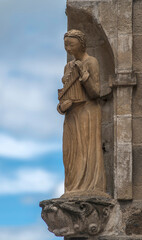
(79, 218)
(90, 218)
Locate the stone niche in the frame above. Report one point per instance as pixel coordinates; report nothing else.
(99, 47)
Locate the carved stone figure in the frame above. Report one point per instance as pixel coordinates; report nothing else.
(79, 100)
(74, 217)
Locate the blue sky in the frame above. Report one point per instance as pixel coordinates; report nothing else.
(32, 59)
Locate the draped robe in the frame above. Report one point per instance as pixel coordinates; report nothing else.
(82, 148)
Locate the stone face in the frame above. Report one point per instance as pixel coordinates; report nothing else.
(74, 217)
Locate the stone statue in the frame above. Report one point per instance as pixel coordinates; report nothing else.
(85, 208)
(79, 100)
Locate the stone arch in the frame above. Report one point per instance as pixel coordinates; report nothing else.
(99, 47)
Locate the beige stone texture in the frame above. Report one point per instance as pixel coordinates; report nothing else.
(107, 145)
(124, 52)
(109, 23)
(124, 101)
(137, 130)
(124, 171)
(124, 16)
(137, 17)
(137, 53)
(113, 42)
(137, 98)
(123, 141)
(107, 110)
(137, 165)
(124, 129)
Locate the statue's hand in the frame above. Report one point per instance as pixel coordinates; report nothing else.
(79, 65)
(65, 105)
(82, 70)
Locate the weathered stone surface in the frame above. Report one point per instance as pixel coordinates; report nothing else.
(137, 17)
(134, 223)
(107, 146)
(137, 100)
(120, 237)
(137, 130)
(107, 110)
(76, 217)
(123, 140)
(108, 161)
(137, 53)
(107, 131)
(113, 44)
(137, 191)
(124, 126)
(124, 172)
(125, 52)
(124, 16)
(109, 23)
(137, 171)
(137, 165)
(124, 100)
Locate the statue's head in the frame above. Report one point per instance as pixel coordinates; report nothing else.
(75, 40)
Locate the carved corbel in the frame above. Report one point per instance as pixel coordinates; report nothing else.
(76, 217)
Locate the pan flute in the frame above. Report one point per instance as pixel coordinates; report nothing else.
(72, 89)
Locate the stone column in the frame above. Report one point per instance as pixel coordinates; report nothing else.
(123, 135)
(123, 103)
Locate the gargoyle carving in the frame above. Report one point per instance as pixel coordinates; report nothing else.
(74, 217)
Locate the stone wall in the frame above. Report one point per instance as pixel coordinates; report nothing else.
(137, 100)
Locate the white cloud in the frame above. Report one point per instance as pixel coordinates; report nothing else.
(59, 190)
(24, 150)
(28, 181)
(37, 232)
(28, 107)
(31, 66)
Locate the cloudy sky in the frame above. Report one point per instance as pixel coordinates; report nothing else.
(32, 59)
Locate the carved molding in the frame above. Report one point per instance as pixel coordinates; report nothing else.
(123, 79)
(76, 217)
